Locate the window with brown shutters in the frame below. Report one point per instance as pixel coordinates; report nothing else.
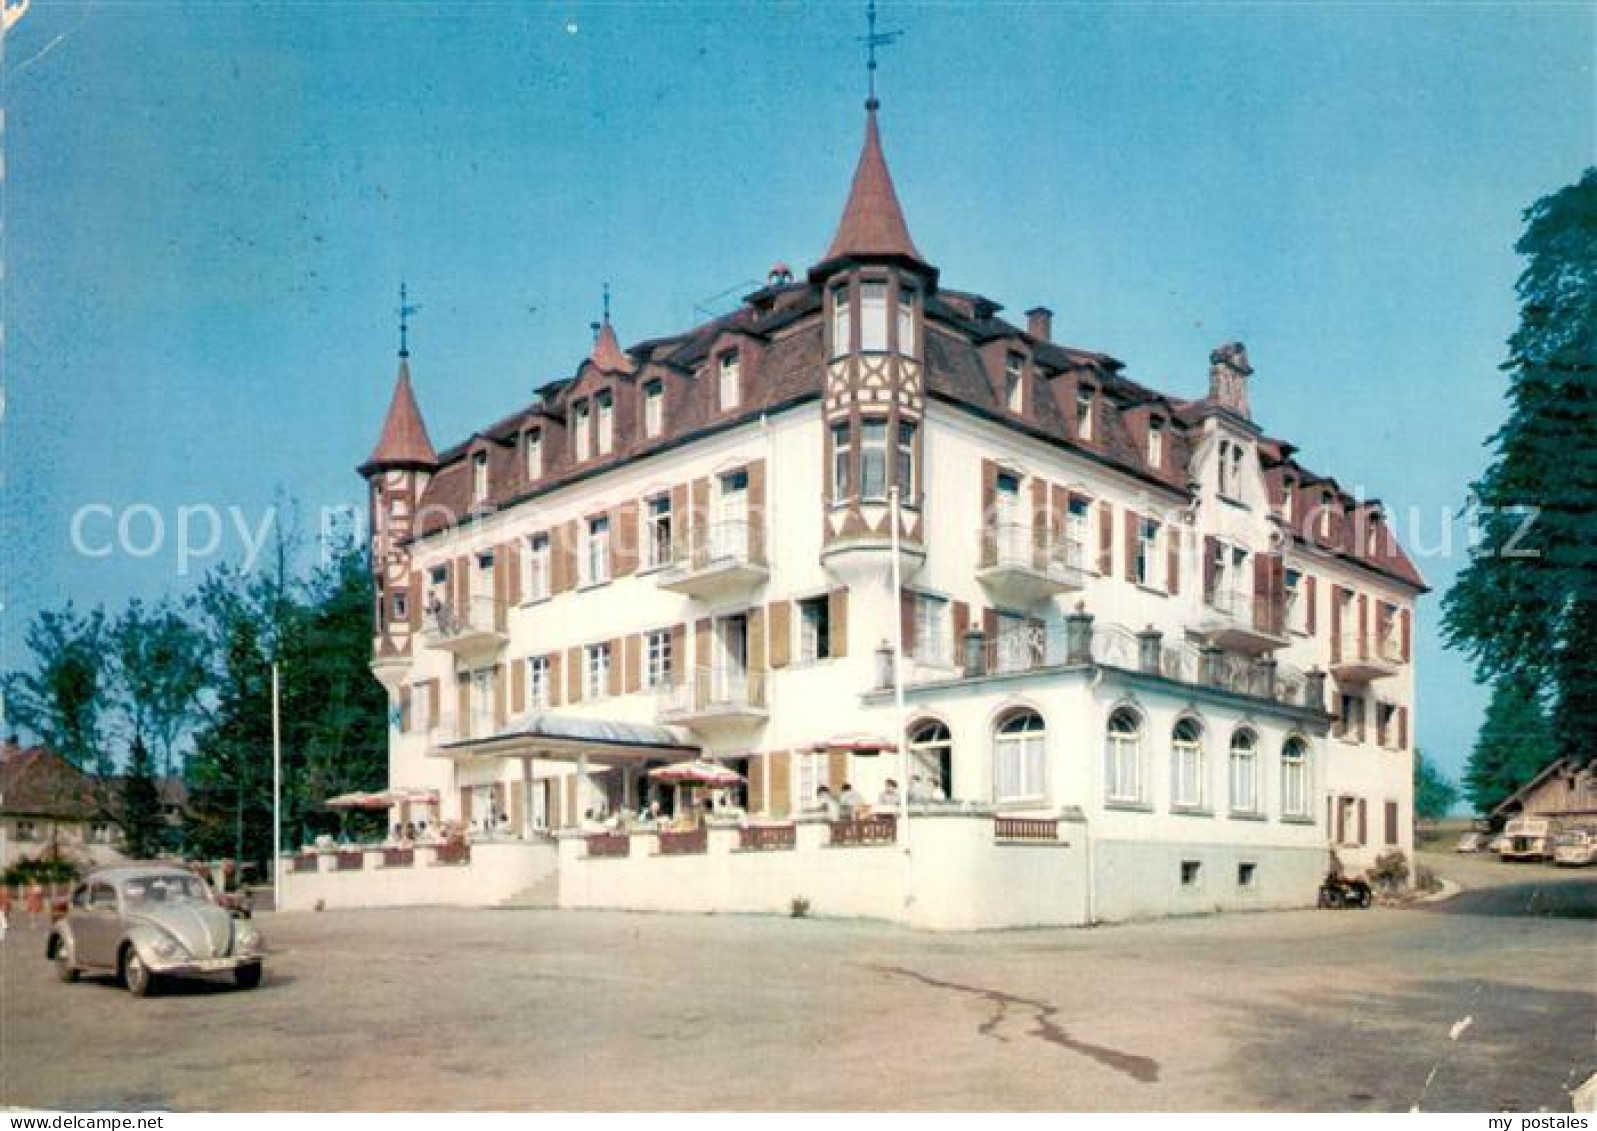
(556, 687)
(1311, 595)
(1106, 539)
(1391, 822)
(1172, 569)
(518, 686)
(1364, 823)
(1132, 523)
(779, 616)
(574, 673)
(837, 602)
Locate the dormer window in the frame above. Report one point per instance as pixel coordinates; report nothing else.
(873, 318)
(479, 477)
(1015, 382)
(607, 422)
(731, 381)
(842, 321)
(1230, 469)
(1155, 442)
(1326, 502)
(906, 322)
(653, 408)
(533, 445)
(581, 438)
(1084, 406)
(1289, 491)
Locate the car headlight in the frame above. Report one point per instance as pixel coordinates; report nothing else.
(246, 939)
(165, 946)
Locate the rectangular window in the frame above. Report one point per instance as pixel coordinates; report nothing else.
(596, 551)
(905, 468)
(906, 322)
(1386, 723)
(842, 322)
(731, 381)
(1014, 382)
(1150, 565)
(596, 671)
(1155, 443)
(1247, 873)
(1296, 600)
(842, 460)
(1289, 491)
(537, 567)
(533, 445)
(420, 716)
(809, 774)
(815, 630)
(873, 459)
(581, 438)
(873, 318)
(479, 477)
(931, 641)
(607, 422)
(1227, 487)
(1078, 528)
(657, 532)
(1191, 873)
(538, 683)
(653, 408)
(1084, 406)
(1350, 718)
(1391, 822)
(401, 607)
(657, 660)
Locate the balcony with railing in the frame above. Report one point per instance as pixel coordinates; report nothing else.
(715, 695)
(478, 625)
(1242, 621)
(1355, 660)
(716, 560)
(1022, 564)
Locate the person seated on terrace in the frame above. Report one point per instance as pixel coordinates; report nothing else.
(888, 799)
(937, 793)
(850, 801)
(825, 803)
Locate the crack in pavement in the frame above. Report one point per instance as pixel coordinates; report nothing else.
(1141, 1068)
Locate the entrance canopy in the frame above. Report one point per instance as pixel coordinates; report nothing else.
(568, 738)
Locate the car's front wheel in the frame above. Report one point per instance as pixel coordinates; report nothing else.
(135, 975)
(65, 971)
(247, 977)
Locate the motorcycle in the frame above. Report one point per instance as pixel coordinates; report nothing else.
(1338, 892)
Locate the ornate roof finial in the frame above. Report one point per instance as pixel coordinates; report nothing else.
(872, 40)
(607, 303)
(406, 309)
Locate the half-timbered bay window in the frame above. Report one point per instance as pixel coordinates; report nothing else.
(842, 321)
(1295, 779)
(657, 532)
(596, 670)
(904, 463)
(1244, 772)
(906, 322)
(873, 318)
(1186, 765)
(1020, 758)
(1123, 777)
(596, 551)
(842, 461)
(873, 459)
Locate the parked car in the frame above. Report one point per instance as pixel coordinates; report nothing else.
(1575, 848)
(1473, 842)
(1528, 838)
(145, 923)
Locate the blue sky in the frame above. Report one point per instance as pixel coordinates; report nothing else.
(209, 209)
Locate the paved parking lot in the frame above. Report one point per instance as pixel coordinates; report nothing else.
(1471, 1009)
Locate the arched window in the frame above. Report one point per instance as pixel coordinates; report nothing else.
(1020, 758)
(931, 753)
(1186, 765)
(1123, 758)
(1295, 778)
(1244, 772)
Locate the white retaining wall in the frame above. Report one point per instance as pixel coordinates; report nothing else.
(495, 873)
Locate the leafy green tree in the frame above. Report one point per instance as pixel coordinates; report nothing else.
(1525, 607)
(160, 673)
(143, 825)
(1434, 791)
(1514, 745)
(62, 700)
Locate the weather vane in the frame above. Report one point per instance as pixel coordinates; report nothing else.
(406, 309)
(872, 40)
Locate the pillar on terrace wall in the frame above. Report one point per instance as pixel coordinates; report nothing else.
(1150, 649)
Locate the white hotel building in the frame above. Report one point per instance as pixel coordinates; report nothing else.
(1155, 663)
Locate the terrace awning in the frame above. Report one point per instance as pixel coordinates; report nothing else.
(546, 734)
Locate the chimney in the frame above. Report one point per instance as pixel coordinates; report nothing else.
(1228, 378)
(1040, 323)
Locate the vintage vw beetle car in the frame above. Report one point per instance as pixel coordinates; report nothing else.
(147, 922)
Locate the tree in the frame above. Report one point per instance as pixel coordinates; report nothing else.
(159, 672)
(143, 825)
(1434, 792)
(1525, 607)
(61, 701)
(1514, 745)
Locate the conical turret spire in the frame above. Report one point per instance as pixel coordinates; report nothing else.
(404, 441)
(607, 352)
(873, 222)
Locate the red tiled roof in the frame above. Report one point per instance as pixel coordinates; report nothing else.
(404, 441)
(607, 352)
(873, 222)
(36, 782)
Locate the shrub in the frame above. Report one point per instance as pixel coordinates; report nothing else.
(51, 868)
(1425, 880)
(1390, 872)
(799, 907)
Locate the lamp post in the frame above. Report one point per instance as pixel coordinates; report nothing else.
(898, 697)
(277, 794)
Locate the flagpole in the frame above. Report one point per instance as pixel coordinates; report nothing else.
(277, 794)
(898, 696)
